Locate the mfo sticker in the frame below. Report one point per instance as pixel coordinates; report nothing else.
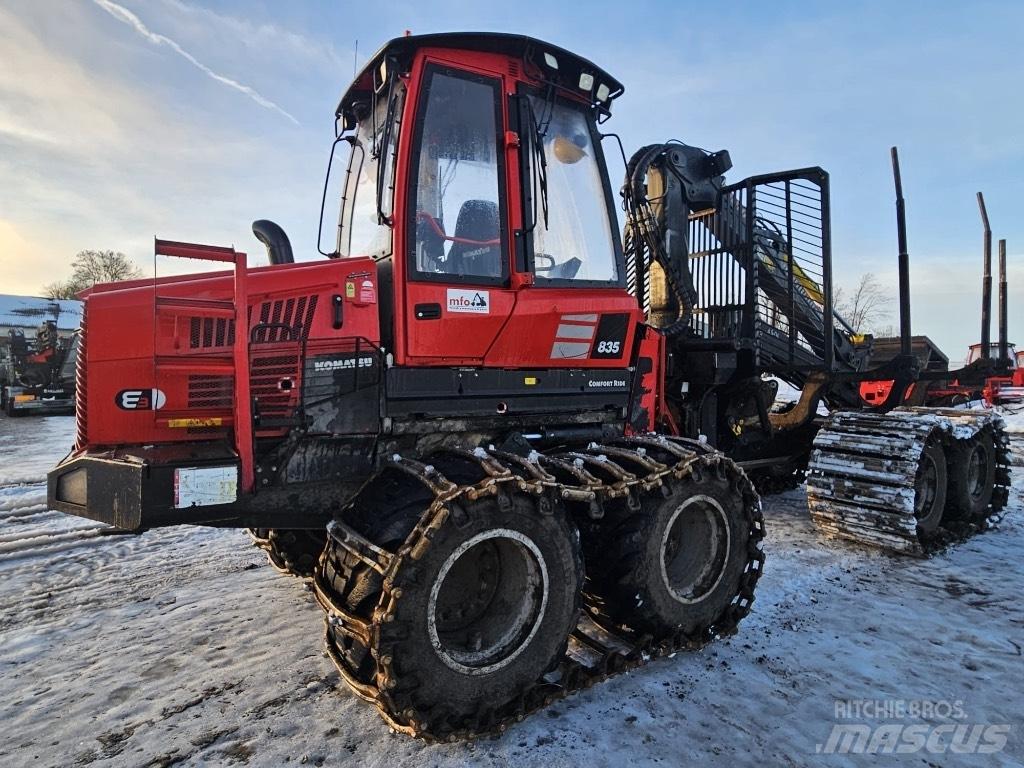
(140, 399)
(474, 302)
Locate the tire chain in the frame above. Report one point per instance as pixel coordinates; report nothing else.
(279, 554)
(597, 648)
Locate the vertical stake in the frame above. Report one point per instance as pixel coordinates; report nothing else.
(986, 284)
(904, 257)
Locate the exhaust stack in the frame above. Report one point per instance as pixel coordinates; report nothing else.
(986, 284)
(279, 248)
(1004, 346)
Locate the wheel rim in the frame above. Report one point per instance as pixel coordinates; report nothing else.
(925, 491)
(488, 601)
(695, 549)
(977, 471)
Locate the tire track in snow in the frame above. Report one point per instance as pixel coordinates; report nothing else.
(18, 549)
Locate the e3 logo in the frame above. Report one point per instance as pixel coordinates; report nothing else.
(140, 399)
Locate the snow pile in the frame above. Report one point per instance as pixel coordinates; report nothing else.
(180, 647)
(1014, 418)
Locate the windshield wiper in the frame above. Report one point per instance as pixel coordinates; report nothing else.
(539, 166)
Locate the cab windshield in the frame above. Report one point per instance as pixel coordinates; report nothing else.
(577, 242)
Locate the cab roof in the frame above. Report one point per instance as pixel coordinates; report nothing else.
(566, 72)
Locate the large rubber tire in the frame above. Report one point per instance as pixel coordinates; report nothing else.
(356, 586)
(523, 622)
(930, 489)
(291, 551)
(972, 475)
(675, 564)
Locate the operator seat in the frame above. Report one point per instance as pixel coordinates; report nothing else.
(478, 221)
(18, 343)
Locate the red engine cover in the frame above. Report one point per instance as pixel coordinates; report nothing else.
(160, 371)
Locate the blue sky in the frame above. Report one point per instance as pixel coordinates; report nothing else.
(188, 120)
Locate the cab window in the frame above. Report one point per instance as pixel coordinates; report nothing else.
(364, 228)
(456, 204)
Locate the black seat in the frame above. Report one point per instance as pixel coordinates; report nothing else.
(18, 343)
(478, 222)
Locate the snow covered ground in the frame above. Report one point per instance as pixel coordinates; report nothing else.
(180, 647)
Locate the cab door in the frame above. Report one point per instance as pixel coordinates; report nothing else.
(457, 292)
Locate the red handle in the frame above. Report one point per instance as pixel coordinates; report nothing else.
(424, 216)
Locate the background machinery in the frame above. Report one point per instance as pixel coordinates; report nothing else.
(512, 451)
(990, 371)
(38, 375)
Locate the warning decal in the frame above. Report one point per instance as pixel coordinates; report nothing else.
(203, 486)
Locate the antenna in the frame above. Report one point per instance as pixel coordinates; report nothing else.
(355, 59)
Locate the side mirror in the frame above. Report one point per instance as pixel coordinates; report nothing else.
(323, 200)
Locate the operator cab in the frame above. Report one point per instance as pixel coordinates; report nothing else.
(974, 354)
(477, 182)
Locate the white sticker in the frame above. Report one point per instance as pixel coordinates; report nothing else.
(475, 302)
(203, 486)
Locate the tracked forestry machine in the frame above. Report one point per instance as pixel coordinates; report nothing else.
(514, 452)
(37, 376)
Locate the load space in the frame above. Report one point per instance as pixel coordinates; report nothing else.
(514, 453)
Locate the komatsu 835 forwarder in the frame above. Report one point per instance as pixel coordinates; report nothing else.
(515, 452)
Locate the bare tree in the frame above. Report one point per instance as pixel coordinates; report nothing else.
(91, 267)
(866, 307)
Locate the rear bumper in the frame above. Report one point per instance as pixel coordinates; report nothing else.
(148, 487)
(144, 487)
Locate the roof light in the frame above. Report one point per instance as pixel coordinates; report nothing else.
(550, 60)
(602, 92)
(586, 82)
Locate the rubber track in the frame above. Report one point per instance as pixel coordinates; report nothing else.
(596, 649)
(860, 479)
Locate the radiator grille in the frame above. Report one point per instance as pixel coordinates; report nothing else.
(294, 313)
(207, 332)
(285, 319)
(268, 374)
(210, 391)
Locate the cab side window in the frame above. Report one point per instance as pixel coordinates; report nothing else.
(457, 202)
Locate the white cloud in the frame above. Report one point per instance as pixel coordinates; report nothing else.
(270, 40)
(122, 14)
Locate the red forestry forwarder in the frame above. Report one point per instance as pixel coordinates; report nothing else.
(483, 398)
